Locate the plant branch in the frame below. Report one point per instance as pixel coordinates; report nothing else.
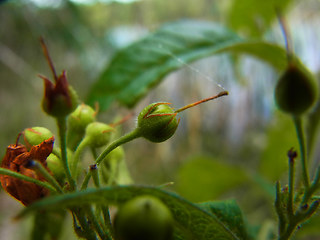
(62, 126)
(300, 134)
(122, 140)
(44, 172)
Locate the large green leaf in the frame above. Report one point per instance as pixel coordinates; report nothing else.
(142, 65)
(203, 178)
(198, 222)
(230, 214)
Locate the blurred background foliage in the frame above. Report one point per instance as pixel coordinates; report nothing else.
(234, 147)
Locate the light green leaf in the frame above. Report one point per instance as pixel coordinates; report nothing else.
(200, 224)
(205, 178)
(136, 69)
(254, 17)
(230, 214)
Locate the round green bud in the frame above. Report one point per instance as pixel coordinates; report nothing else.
(81, 117)
(144, 218)
(98, 134)
(157, 122)
(296, 90)
(55, 165)
(36, 135)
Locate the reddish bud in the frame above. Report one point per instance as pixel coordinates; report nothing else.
(59, 98)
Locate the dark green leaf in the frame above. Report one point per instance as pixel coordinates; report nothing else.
(200, 224)
(230, 214)
(139, 67)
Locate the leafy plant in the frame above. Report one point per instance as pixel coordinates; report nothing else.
(56, 185)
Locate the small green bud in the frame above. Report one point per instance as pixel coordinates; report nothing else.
(36, 135)
(81, 117)
(296, 90)
(55, 165)
(144, 218)
(98, 134)
(157, 122)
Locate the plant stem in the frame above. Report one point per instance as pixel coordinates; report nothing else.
(76, 157)
(95, 175)
(44, 172)
(87, 231)
(281, 215)
(300, 134)
(292, 155)
(122, 140)
(4, 171)
(104, 208)
(86, 181)
(96, 223)
(291, 227)
(62, 126)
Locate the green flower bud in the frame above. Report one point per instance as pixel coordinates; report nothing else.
(98, 134)
(36, 135)
(81, 117)
(157, 122)
(296, 90)
(144, 217)
(55, 165)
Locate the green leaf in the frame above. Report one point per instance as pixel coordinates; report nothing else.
(141, 66)
(200, 224)
(230, 214)
(204, 178)
(254, 17)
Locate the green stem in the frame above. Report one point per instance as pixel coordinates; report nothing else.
(279, 210)
(300, 134)
(300, 216)
(122, 140)
(95, 175)
(76, 157)
(291, 155)
(290, 229)
(104, 208)
(86, 181)
(44, 172)
(87, 231)
(62, 126)
(56, 151)
(4, 171)
(96, 223)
